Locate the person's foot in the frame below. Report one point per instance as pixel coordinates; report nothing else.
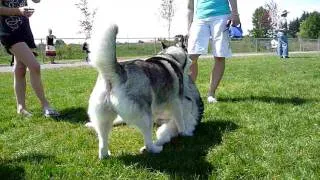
(212, 100)
(49, 112)
(24, 113)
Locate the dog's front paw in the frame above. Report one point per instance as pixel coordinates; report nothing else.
(151, 149)
(104, 154)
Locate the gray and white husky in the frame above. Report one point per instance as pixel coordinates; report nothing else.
(141, 92)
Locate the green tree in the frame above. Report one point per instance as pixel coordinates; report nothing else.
(60, 42)
(294, 26)
(262, 26)
(87, 17)
(310, 28)
(272, 7)
(304, 16)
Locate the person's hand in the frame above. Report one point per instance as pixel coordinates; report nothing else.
(24, 11)
(235, 19)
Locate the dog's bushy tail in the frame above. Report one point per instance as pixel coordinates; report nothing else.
(103, 51)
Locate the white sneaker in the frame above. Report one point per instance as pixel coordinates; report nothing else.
(212, 100)
(49, 112)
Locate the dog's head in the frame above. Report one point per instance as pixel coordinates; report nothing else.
(178, 51)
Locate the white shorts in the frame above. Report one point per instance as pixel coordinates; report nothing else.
(214, 29)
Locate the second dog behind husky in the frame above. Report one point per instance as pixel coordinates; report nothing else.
(140, 91)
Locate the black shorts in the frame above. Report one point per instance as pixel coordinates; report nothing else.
(22, 34)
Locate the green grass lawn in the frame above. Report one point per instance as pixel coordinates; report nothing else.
(266, 125)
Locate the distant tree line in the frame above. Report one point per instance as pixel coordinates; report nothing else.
(264, 21)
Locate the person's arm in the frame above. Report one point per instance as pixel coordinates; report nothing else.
(287, 25)
(22, 11)
(234, 12)
(190, 13)
(47, 40)
(5, 11)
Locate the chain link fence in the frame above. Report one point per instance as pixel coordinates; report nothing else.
(249, 45)
(71, 48)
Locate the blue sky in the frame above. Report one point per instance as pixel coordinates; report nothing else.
(139, 18)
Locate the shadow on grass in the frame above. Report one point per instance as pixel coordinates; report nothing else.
(278, 100)
(74, 115)
(185, 157)
(302, 57)
(11, 169)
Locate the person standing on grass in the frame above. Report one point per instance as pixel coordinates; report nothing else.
(283, 48)
(17, 38)
(50, 49)
(85, 49)
(209, 20)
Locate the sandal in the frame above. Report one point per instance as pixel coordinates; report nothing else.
(25, 113)
(49, 112)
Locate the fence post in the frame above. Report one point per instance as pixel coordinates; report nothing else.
(300, 41)
(256, 45)
(319, 44)
(155, 45)
(41, 50)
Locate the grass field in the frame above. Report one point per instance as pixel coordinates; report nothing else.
(265, 126)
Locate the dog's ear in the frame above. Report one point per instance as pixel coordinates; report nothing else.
(181, 41)
(164, 46)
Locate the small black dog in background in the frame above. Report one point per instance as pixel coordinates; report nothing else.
(183, 40)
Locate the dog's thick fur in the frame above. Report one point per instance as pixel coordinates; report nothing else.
(141, 92)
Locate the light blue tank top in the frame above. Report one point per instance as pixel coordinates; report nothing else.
(209, 8)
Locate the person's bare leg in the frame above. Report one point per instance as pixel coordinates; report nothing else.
(216, 76)
(19, 85)
(25, 56)
(194, 66)
(52, 60)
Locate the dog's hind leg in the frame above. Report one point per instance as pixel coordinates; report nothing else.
(188, 117)
(118, 121)
(102, 118)
(166, 132)
(145, 126)
(177, 115)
